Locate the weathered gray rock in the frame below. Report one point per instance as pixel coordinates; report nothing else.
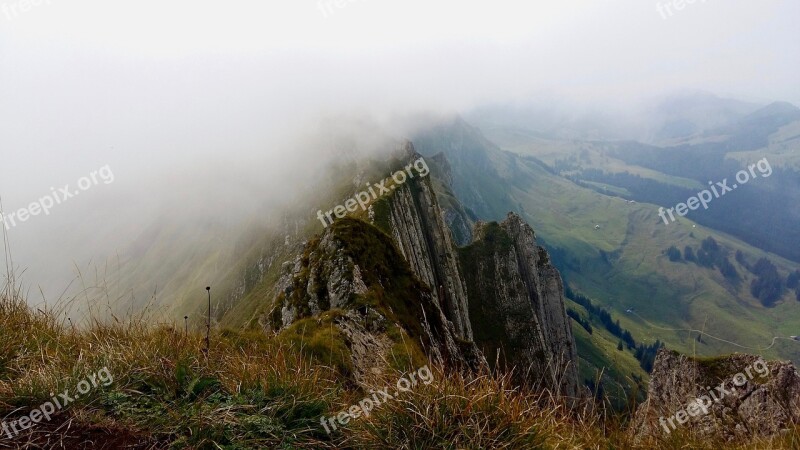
(751, 397)
(327, 276)
(369, 346)
(423, 237)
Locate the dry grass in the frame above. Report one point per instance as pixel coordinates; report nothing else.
(258, 392)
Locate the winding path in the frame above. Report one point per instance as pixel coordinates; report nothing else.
(774, 339)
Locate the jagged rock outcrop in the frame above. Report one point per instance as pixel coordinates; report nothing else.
(731, 397)
(405, 269)
(356, 269)
(524, 292)
(516, 300)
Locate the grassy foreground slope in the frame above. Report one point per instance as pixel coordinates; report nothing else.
(255, 391)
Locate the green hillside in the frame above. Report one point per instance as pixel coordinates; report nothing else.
(601, 363)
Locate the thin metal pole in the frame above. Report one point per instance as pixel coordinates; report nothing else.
(208, 322)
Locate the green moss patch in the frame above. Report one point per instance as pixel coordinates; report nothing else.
(319, 338)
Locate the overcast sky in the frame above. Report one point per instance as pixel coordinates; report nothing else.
(157, 89)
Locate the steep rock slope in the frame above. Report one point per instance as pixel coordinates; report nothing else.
(355, 272)
(744, 396)
(525, 295)
(419, 230)
(517, 305)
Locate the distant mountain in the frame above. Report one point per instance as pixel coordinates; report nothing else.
(552, 119)
(666, 120)
(752, 131)
(775, 114)
(683, 115)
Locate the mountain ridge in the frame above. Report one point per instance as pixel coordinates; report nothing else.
(332, 280)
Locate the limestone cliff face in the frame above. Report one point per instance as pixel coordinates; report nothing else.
(517, 305)
(421, 234)
(515, 295)
(751, 397)
(462, 305)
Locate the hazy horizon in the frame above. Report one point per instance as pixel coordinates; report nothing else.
(186, 102)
